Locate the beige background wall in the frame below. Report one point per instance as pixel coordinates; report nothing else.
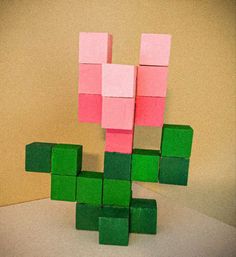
(38, 89)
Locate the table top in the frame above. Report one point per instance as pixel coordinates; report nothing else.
(46, 228)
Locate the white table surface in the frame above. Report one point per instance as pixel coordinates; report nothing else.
(46, 228)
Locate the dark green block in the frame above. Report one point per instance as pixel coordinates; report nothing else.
(116, 192)
(174, 171)
(89, 187)
(38, 157)
(176, 141)
(63, 188)
(145, 165)
(143, 216)
(66, 159)
(87, 216)
(114, 226)
(117, 166)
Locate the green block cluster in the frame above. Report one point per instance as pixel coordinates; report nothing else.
(145, 165)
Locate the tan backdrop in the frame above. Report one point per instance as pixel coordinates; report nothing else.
(38, 82)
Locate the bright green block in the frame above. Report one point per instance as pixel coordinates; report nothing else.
(114, 226)
(145, 165)
(63, 188)
(66, 159)
(176, 140)
(174, 171)
(89, 187)
(143, 216)
(116, 192)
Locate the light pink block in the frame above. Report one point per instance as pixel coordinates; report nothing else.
(95, 48)
(90, 79)
(118, 80)
(118, 113)
(152, 81)
(149, 111)
(155, 49)
(90, 108)
(120, 141)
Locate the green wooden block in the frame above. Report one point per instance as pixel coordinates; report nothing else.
(67, 159)
(87, 216)
(176, 140)
(38, 157)
(116, 192)
(117, 166)
(89, 187)
(174, 171)
(143, 216)
(114, 226)
(145, 165)
(63, 188)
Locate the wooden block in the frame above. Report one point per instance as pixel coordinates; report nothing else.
(149, 111)
(67, 159)
(176, 140)
(117, 166)
(118, 113)
(89, 187)
(119, 141)
(90, 79)
(38, 157)
(118, 80)
(143, 216)
(152, 81)
(63, 188)
(95, 48)
(174, 171)
(155, 49)
(90, 108)
(116, 192)
(87, 216)
(114, 226)
(145, 165)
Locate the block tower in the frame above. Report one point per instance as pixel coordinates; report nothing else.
(118, 97)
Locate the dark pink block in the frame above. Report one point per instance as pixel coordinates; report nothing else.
(149, 111)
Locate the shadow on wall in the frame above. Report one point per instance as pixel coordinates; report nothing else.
(90, 162)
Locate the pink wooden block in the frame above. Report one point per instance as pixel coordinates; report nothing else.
(149, 111)
(90, 79)
(90, 108)
(95, 48)
(120, 141)
(118, 113)
(118, 80)
(155, 49)
(152, 81)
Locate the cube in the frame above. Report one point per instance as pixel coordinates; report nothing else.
(119, 141)
(176, 140)
(63, 188)
(152, 81)
(89, 187)
(118, 113)
(38, 157)
(145, 165)
(174, 171)
(90, 108)
(67, 159)
(90, 79)
(155, 49)
(116, 192)
(117, 166)
(118, 80)
(149, 111)
(87, 216)
(95, 48)
(143, 216)
(114, 226)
